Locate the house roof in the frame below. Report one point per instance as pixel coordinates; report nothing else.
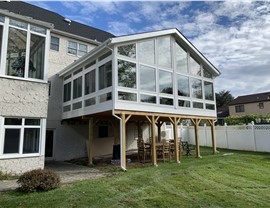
(254, 98)
(127, 38)
(75, 28)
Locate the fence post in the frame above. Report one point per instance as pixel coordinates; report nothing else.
(205, 134)
(254, 137)
(226, 134)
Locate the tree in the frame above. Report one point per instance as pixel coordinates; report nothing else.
(223, 98)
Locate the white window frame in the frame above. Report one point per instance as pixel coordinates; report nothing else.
(3, 127)
(6, 27)
(77, 48)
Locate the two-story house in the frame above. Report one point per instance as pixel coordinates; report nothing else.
(250, 104)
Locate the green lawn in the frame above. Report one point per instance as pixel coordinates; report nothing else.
(240, 179)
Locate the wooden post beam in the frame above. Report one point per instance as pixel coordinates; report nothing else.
(154, 153)
(123, 141)
(213, 135)
(90, 141)
(196, 123)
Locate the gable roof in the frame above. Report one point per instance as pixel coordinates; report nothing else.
(254, 98)
(75, 28)
(134, 37)
(179, 37)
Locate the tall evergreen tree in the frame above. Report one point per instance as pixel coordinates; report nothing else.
(223, 98)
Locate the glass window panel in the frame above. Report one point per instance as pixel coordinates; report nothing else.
(18, 23)
(77, 105)
(37, 55)
(166, 101)
(127, 50)
(89, 102)
(183, 86)
(90, 82)
(105, 75)
(184, 103)
(208, 91)
(146, 52)
(127, 96)
(210, 106)
(90, 64)
(66, 108)
(148, 99)
(197, 105)
(164, 52)
(82, 49)
(32, 122)
(67, 77)
(77, 87)
(13, 121)
(194, 67)
(147, 78)
(67, 92)
(2, 19)
(1, 40)
(196, 88)
(31, 141)
(165, 82)
(72, 47)
(15, 64)
(126, 74)
(12, 141)
(105, 97)
(207, 74)
(54, 43)
(181, 59)
(77, 71)
(105, 55)
(38, 29)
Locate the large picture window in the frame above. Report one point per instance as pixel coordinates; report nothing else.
(105, 75)
(77, 87)
(21, 136)
(90, 82)
(165, 82)
(196, 88)
(183, 86)
(208, 90)
(25, 50)
(126, 74)
(146, 52)
(147, 78)
(181, 59)
(164, 52)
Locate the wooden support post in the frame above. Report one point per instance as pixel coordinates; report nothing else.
(123, 141)
(139, 130)
(154, 153)
(213, 135)
(90, 141)
(196, 129)
(177, 150)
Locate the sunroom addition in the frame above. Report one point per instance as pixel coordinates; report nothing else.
(159, 74)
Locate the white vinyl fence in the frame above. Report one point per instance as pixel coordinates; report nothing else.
(248, 137)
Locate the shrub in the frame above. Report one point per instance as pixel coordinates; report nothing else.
(5, 176)
(38, 180)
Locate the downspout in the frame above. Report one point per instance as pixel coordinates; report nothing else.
(121, 121)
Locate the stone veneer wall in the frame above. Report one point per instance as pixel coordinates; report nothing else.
(18, 166)
(21, 98)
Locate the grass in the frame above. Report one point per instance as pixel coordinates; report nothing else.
(240, 179)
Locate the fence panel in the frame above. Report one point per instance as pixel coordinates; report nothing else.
(221, 137)
(262, 138)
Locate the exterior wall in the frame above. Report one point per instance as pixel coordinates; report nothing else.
(23, 98)
(251, 108)
(18, 166)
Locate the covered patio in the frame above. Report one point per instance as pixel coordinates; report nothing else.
(120, 118)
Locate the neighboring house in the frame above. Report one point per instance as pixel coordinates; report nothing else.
(222, 113)
(49, 94)
(250, 104)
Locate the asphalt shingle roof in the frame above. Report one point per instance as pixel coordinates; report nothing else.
(75, 28)
(254, 98)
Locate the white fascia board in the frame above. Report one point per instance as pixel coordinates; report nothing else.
(179, 36)
(84, 58)
(127, 38)
(76, 37)
(26, 19)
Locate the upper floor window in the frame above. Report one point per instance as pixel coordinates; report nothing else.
(54, 43)
(194, 67)
(25, 50)
(164, 52)
(77, 49)
(239, 108)
(261, 106)
(105, 75)
(181, 59)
